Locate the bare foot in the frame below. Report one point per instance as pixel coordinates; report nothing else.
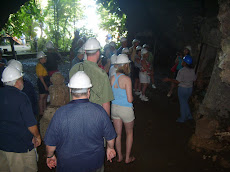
(120, 159)
(130, 160)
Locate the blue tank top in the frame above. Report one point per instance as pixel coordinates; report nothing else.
(120, 96)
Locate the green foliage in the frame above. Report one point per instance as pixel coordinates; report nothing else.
(61, 16)
(112, 18)
(24, 21)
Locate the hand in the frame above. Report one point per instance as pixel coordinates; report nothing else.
(111, 153)
(36, 141)
(51, 162)
(166, 80)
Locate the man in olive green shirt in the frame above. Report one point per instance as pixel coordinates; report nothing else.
(101, 92)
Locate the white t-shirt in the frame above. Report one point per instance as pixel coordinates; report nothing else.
(186, 76)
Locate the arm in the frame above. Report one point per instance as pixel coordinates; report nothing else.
(43, 82)
(171, 80)
(128, 88)
(106, 106)
(51, 159)
(37, 138)
(111, 153)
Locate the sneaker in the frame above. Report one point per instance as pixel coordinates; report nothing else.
(141, 96)
(169, 95)
(153, 86)
(144, 98)
(137, 93)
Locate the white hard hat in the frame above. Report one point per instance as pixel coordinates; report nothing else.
(125, 50)
(144, 51)
(49, 45)
(138, 48)
(188, 47)
(10, 73)
(15, 63)
(145, 46)
(135, 40)
(40, 55)
(80, 80)
(92, 45)
(122, 59)
(112, 44)
(123, 39)
(113, 59)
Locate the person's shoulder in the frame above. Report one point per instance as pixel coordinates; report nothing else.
(75, 69)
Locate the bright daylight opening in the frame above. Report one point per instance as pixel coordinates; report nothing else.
(90, 20)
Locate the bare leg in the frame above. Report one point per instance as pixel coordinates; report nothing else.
(129, 141)
(118, 127)
(144, 87)
(41, 103)
(171, 89)
(45, 102)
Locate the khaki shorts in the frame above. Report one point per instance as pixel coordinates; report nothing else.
(19, 162)
(144, 78)
(126, 114)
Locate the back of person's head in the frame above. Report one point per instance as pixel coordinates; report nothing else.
(10, 76)
(123, 64)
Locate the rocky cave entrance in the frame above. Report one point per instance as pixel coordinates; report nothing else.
(168, 27)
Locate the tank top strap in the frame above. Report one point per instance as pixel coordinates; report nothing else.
(116, 80)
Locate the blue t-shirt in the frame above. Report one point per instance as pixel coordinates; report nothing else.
(30, 92)
(15, 118)
(77, 130)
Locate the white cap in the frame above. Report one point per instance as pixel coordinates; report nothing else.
(92, 45)
(144, 51)
(125, 50)
(113, 59)
(145, 46)
(135, 40)
(138, 48)
(15, 63)
(80, 80)
(122, 59)
(112, 44)
(189, 47)
(49, 45)
(123, 39)
(40, 55)
(10, 73)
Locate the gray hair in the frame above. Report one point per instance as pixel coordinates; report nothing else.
(79, 92)
(11, 83)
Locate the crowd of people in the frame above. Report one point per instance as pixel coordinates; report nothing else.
(101, 86)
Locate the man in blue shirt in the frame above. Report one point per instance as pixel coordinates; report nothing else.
(18, 128)
(76, 131)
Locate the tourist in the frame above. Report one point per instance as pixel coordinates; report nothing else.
(185, 78)
(122, 107)
(43, 82)
(76, 132)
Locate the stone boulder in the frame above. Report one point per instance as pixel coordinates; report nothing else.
(59, 92)
(206, 128)
(44, 122)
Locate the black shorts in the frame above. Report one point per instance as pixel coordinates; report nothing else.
(41, 88)
(136, 72)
